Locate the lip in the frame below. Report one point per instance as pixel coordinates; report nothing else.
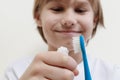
(69, 33)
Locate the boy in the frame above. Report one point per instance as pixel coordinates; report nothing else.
(58, 21)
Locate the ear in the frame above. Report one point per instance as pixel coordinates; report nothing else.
(95, 21)
(38, 20)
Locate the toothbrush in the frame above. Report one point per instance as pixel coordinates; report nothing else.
(78, 45)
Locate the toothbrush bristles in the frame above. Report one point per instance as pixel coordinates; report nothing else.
(76, 44)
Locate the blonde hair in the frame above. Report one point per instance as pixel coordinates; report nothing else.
(96, 6)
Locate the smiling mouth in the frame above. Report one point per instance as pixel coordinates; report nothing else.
(69, 33)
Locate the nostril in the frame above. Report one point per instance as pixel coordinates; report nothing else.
(68, 23)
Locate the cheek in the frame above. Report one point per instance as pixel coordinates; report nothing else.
(88, 28)
(47, 26)
(48, 21)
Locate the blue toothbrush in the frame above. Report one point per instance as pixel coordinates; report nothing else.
(78, 45)
(86, 66)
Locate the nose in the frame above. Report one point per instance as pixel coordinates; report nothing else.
(69, 19)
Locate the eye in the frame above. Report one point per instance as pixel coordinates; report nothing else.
(57, 9)
(80, 10)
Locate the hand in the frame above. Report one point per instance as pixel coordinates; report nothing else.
(51, 66)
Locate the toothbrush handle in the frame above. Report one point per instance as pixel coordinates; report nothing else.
(86, 68)
(85, 62)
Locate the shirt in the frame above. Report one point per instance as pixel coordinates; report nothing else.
(99, 69)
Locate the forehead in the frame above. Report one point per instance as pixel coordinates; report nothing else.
(68, 1)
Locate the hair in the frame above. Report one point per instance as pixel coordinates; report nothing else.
(96, 6)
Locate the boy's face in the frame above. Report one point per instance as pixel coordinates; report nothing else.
(63, 19)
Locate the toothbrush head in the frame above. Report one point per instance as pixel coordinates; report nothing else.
(78, 42)
(78, 45)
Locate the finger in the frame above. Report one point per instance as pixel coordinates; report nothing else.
(76, 72)
(57, 59)
(56, 73)
(38, 78)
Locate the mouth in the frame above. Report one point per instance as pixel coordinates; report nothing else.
(68, 33)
